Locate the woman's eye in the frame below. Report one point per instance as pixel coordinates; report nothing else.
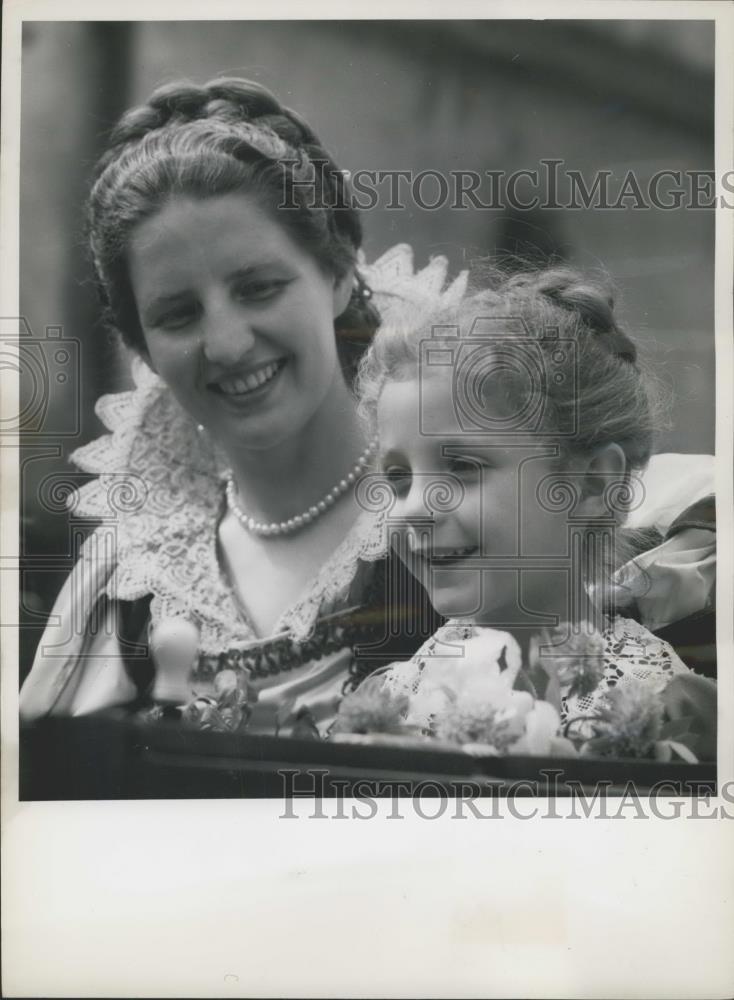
(261, 291)
(176, 319)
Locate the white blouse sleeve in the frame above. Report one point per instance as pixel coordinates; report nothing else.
(78, 667)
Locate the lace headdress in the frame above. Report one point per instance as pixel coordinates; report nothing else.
(404, 295)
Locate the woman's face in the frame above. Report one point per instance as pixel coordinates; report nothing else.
(237, 319)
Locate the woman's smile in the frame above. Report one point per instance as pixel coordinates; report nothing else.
(248, 384)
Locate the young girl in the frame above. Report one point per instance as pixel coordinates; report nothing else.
(510, 428)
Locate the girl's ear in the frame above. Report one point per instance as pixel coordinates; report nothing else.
(343, 292)
(599, 469)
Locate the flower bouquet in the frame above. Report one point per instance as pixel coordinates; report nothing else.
(477, 694)
(225, 708)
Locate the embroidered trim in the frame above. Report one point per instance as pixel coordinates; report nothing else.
(283, 653)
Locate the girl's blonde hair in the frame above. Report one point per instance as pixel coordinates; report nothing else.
(599, 389)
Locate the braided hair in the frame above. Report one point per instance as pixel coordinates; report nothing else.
(596, 390)
(229, 135)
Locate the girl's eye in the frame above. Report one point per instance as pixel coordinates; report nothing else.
(399, 479)
(463, 466)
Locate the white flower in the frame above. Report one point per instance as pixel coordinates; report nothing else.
(492, 713)
(469, 698)
(481, 668)
(542, 724)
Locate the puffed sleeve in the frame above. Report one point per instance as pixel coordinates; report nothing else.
(78, 667)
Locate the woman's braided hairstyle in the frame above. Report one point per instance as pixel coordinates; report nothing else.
(229, 135)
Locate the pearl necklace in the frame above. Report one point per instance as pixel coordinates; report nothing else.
(307, 516)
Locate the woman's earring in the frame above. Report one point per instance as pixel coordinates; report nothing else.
(361, 291)
(206, 445)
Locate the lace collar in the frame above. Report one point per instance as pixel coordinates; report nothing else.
(159, 484)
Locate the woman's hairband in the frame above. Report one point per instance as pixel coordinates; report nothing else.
(270, 145)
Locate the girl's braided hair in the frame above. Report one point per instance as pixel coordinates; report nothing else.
(596, 390)
(229, 135)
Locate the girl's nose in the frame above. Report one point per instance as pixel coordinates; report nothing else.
(411, 506)
(430, 496)
(228, 336)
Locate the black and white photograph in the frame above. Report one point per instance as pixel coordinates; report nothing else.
(368, 417)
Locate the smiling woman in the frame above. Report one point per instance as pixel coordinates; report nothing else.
(232, 584)
(239, 321)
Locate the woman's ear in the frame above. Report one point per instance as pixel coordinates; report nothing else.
(343, 292)
(142, 353)
(603, 466)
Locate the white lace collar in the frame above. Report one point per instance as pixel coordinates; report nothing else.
(161, 486)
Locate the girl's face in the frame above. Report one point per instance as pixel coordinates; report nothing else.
(497, 514)
(238, 320)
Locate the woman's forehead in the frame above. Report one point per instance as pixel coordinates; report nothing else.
(190, 236)
(190, 221)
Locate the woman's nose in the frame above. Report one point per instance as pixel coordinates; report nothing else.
(228, 336)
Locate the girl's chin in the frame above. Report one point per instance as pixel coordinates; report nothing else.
(454, 602)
